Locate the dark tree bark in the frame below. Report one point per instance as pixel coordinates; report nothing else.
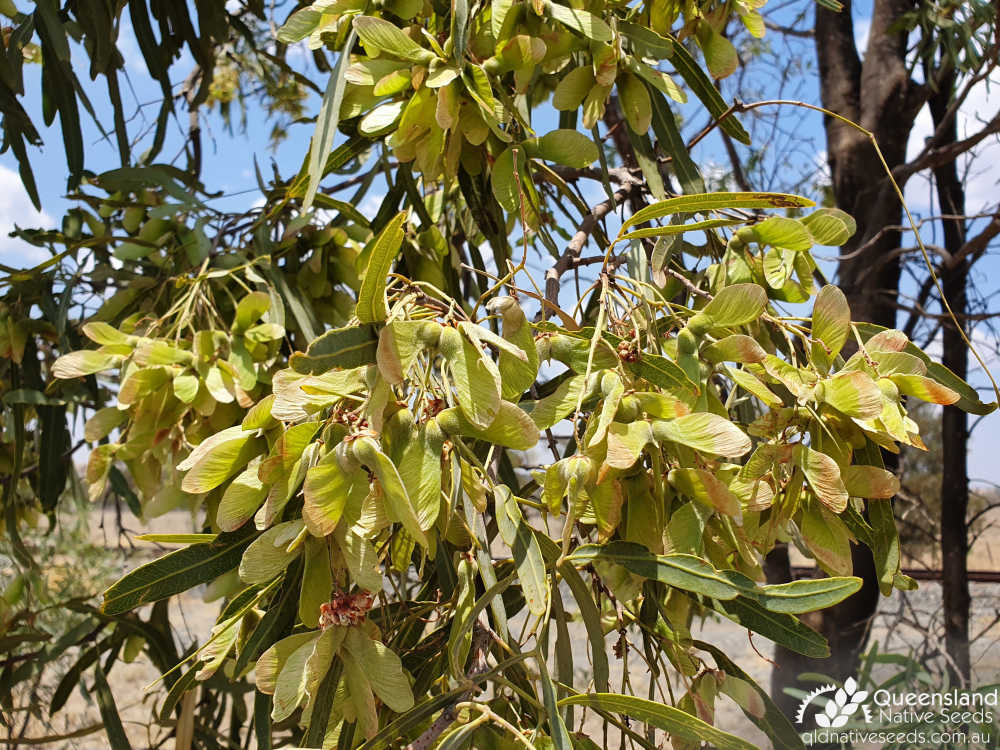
(954, 428)
(878, 94)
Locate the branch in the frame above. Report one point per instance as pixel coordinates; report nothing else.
(481, 637)
(572, 252)
(619, 175)
(933, 157)
(788, 30)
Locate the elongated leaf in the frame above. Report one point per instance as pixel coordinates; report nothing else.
(669, 137)
(672, 229)
(326, 123)
(559, 733)
(117, 739)
(783, 629)
(527, 553)
(712, 202)
(681, 571)
(371, 307)
(705, 90)
(591, 617)
(176, 572)
(672, 720)
(807, 595)
(773, 723)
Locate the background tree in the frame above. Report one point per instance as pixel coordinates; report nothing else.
(916, 54)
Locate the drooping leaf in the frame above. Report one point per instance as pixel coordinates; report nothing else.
(714, 201)
(672, 720)
(371, 307)
(176, 572)
(782, 628)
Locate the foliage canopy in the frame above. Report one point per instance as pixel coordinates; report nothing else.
(420, 474)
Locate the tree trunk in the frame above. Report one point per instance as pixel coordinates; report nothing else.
(878, 94)
(954, 430)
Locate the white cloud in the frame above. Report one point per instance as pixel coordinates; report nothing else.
(978, 166)
(862, 27)
(16, 208)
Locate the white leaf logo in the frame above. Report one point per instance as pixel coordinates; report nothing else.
(839, 708)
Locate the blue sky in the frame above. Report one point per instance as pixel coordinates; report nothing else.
(228, 160)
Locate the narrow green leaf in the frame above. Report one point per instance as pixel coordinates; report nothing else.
(773, 723)
(672, 229)
(712, 202)
(695, 77)
(371, 307)
(672, 720)
(117, 739)
(783, 629)
(681, 571)
(591, 617)
(176, 572)
(807, 595)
